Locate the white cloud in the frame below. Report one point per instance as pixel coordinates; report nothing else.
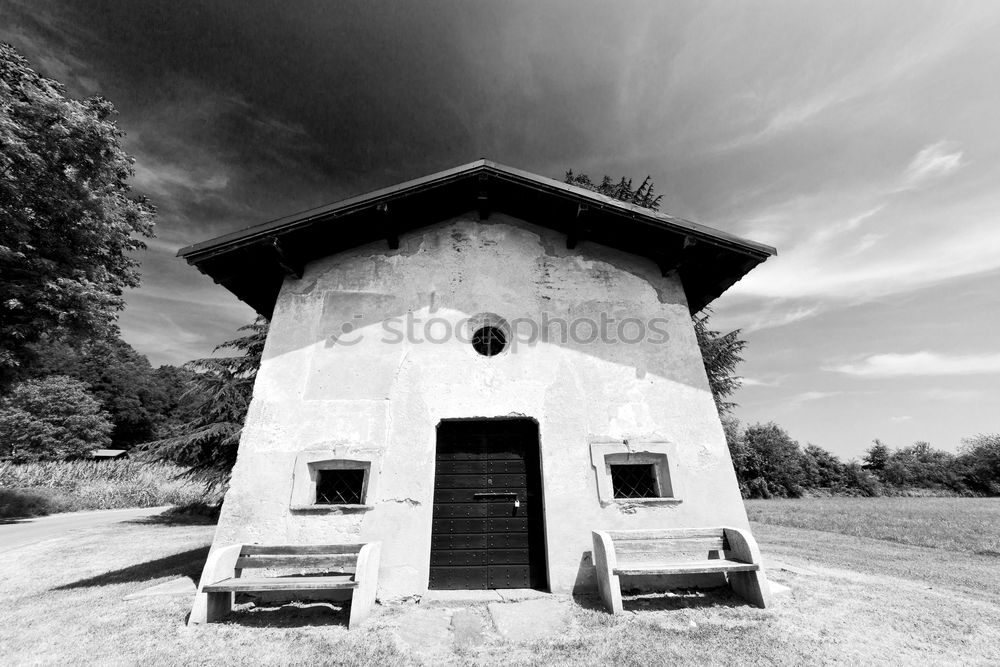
(160, 178)
(911, 248)
(900, 418)
(778, 316)
(791, 102)
(795, 114)
(920, 363)
(158, 244)
(809, 396)
(855, 222)
(753, 382)
(932, 162)
(866, 242)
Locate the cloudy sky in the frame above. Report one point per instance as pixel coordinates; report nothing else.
(862, 139)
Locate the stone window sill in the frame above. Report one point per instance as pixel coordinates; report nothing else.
(332, 509)
(647, 502)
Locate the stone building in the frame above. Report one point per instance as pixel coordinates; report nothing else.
(478, 368)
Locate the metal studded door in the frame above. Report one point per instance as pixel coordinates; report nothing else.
(487, 528)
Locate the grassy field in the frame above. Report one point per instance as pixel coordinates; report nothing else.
(35, 489)
(957, 524)
(854, 599)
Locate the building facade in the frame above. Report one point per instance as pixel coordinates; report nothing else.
(479, 389)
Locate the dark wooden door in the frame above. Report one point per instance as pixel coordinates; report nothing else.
(487, 529)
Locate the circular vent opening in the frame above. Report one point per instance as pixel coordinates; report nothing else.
(489, 341)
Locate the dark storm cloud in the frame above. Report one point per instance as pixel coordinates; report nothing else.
(860, 138)
(385, 91)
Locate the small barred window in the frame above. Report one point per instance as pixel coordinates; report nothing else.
(339, 487)
(634, 481)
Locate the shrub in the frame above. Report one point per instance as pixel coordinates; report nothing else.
(980, 459)
(860, 480)
(52, 418)
(822, 469)
(27, 503)
(920, 465)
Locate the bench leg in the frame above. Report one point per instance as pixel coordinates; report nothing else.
(366, 574)
(751, 586)
(218, 605)
(608, 584)
(209, 607)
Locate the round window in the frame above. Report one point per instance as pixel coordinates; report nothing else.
(489, 340)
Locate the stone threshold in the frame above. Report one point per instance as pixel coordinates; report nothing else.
(464, 597)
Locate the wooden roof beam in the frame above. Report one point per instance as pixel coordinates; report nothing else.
(483, 204)
(676, 258)
(292, 266)
(578, 227)
(387, 223)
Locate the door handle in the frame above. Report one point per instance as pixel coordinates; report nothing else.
(500, 494)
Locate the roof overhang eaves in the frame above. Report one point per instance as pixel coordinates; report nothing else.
(256, 233)
(633, 211)
(249, 235)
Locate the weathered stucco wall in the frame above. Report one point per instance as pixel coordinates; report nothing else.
(362, 393)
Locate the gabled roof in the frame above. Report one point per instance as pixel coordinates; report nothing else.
(252, 263)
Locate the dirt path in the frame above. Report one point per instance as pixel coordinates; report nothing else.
(16, 533)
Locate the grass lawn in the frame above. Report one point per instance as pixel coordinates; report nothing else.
(956, 524)
(853, 600)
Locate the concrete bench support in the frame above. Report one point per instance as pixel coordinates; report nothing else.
(659, 552)
(354, 568)
(609, 585)
(752, 586)
(366, 575)
(210, 607)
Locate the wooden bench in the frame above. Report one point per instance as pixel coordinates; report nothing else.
(350, 567)
(676, 551)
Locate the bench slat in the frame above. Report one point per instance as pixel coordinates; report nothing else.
(631, 548)
(296, 549)
(689, 567)
(259, 584)
(665, 533)
(339, 561)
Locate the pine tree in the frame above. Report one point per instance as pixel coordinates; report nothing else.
(209, 442)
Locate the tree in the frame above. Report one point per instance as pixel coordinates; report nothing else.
(70, 223)
(822, 469)
(861, 480)
(980, 458)
(920, 465)
(774, 462)
(877, 457)
(738, 452)
(721, 353)
(181, 395)
(128, 388)
(208, 443)
(52, 418)
(620, 189)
